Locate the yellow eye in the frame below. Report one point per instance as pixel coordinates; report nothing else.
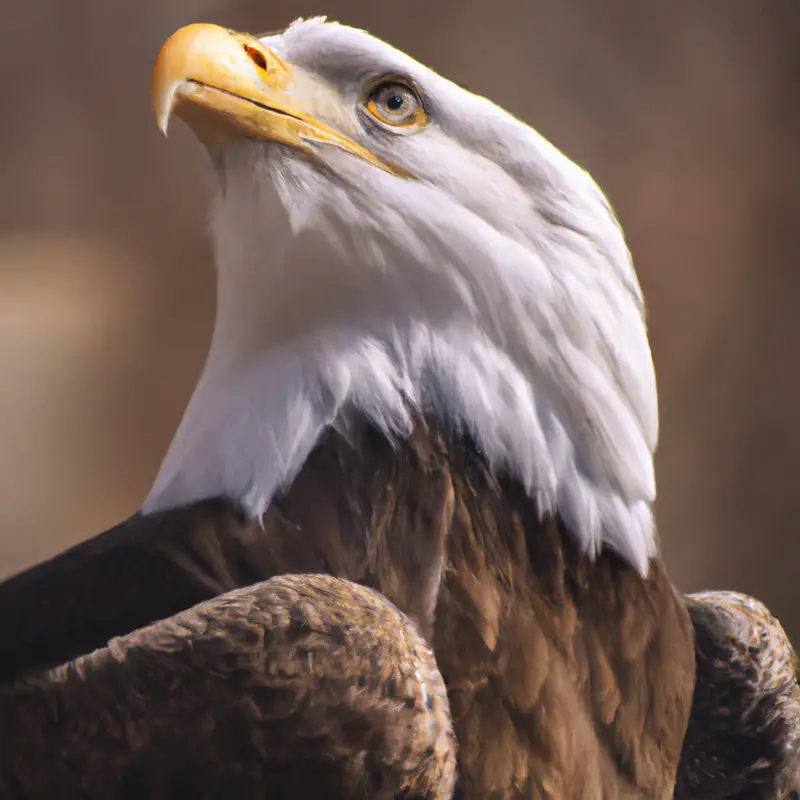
(394, 103)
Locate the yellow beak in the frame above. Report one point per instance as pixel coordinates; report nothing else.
(227, 85)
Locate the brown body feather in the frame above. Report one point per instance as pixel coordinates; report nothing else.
(743, 741)
(567, 677)
(302, 686)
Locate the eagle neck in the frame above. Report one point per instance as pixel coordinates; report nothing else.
(260, 408)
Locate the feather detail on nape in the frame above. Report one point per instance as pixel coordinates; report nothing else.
(316, 20)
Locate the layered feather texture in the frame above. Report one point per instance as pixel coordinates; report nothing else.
(494, 288)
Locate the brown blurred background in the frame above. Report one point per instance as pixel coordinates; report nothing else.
(687, 113)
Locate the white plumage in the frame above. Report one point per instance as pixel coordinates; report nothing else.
(496, 287)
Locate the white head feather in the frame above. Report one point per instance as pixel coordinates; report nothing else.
(496, 287)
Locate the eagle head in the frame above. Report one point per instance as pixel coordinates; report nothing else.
(387, 241)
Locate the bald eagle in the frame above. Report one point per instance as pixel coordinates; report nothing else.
(420, 455)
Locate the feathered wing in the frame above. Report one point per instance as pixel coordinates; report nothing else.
(301, 686)
(743, 739)
(550, 660)
(144, 569)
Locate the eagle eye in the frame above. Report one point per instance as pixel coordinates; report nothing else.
(395, 103)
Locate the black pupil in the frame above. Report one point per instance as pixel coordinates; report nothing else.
(395, 102)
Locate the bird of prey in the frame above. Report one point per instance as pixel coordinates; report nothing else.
(430, 405)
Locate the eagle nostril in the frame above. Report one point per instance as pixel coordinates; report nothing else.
(256, 56)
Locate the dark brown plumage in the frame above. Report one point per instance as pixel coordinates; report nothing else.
(302, 686)
(566, 677)
(743, 740)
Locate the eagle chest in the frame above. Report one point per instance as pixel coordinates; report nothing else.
(551, 660)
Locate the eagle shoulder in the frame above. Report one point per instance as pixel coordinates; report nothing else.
(744, 734)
